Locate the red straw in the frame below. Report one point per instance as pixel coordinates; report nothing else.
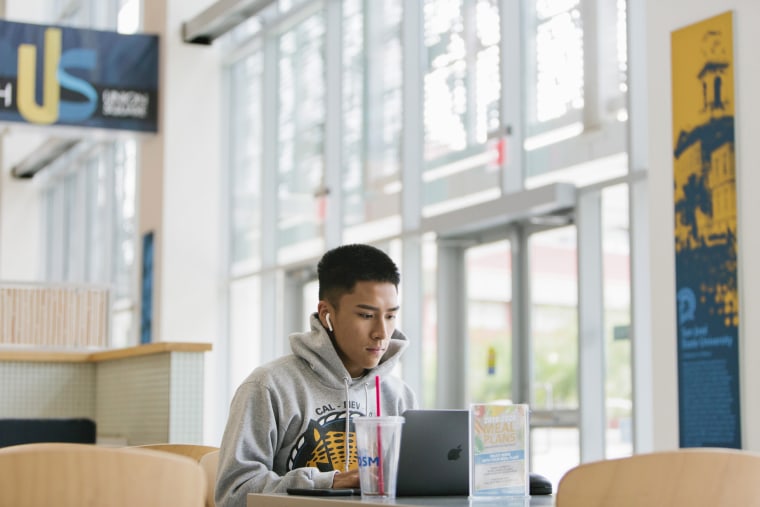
(377, 395)
(380, 479)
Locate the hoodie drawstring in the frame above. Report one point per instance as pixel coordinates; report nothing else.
(367, 412)
(346, 443)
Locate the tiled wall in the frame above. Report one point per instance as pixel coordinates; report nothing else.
(186, 415)
(135, 400)
(132, 399)
(47, 389)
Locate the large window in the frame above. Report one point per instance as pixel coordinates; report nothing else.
(301, 138)
(509, 277)
(462, 90)
(489, 322)
(246, 160)
(372, 87)
(89, 195)
(555, 76)
(90, 226)
(575, 84)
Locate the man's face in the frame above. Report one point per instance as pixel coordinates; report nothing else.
(363, 324)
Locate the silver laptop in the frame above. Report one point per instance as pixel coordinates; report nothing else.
(435, 454)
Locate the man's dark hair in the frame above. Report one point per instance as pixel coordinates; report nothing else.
(340, 269)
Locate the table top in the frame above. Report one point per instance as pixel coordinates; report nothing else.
(283, 500)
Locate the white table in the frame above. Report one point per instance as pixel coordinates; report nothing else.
(281, 500)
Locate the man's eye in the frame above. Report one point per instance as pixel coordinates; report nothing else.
(390, 316)
(366, 315)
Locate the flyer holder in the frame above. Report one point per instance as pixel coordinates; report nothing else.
(499, 434)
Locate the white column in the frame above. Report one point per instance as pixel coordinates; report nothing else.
(179, 188)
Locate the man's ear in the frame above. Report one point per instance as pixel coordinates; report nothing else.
(324, 310)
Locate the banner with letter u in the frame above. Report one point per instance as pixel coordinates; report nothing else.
(704, 185)
(53, 75)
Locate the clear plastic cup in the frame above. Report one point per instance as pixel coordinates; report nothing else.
(378, 442)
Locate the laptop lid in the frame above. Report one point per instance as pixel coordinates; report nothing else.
(434, 459)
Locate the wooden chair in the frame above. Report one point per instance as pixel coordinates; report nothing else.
(75, 475)
(206, 455)
(209, 463)
(193, 451)
(684, 477)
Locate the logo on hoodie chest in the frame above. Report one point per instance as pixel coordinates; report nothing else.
(324, 444)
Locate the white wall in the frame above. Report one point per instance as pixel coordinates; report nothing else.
(662, 18)
(20, 220)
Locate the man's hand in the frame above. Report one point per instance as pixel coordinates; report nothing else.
(348, 479)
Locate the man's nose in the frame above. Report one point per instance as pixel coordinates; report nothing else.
(380, 329)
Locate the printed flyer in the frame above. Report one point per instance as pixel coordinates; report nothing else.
(499, 450)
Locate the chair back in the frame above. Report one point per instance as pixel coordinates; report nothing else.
(209, 463)
(681, 478)
(193, 451)
(69, 475)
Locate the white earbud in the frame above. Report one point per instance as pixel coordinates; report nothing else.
(329, 324)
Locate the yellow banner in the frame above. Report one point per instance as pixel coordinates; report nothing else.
(704, 177)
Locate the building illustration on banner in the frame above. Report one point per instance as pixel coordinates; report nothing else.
(705, 183)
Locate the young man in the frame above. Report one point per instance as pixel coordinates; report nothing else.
(290, 420)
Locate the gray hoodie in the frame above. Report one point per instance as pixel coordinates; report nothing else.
(287, 422)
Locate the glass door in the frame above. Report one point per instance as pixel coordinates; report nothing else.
(553, 345)
(522, 334)
(489, 321)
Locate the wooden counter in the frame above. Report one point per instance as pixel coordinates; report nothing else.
(42, 355)
(138, 395)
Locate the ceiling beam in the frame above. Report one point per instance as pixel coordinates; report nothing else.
(219, 18)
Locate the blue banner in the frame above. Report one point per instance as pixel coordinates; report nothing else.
(53, 75)
(707, 281)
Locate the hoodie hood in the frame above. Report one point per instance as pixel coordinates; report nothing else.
(316, 348)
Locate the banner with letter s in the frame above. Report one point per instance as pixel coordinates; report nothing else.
(53, 75)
